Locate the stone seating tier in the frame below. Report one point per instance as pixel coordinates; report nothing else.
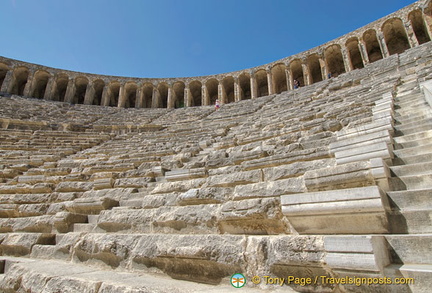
(232, 190)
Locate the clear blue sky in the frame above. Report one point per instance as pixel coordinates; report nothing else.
(175, 38)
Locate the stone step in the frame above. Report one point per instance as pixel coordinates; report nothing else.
(414, 159)
(411, 199)
(83, 227)
(406, 113)
(410, 249)
(401, 130)
(414, 277)
(411, 221)
(402, 125)
(412, 169)
(413, 143)
(418, 150)
(413, 182)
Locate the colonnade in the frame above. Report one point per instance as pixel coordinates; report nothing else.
(391, 35)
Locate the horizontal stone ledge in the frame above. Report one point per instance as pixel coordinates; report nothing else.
(382, 124)
(332, 208)
(386, 152)
(360, 193)
(363, 150)
(182, 174)
(364, 253)
(361, 140)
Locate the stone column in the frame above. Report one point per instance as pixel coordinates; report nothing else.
(89, 94)
(70, 91)
(7, 82)
(139, 97)
(254, 87)
(105, 95)
(306, 74)
(155, 98)
(289, 78)
(271, 87)
(49, 89)
(323, 66)
(121, 103)
(383, 45)
(171, 98)
(28, 89)
(428, 24)
(411, 35)
(346, 59)
(363, 51)
(205, 99)
(222, 93)
(238, 92)
(187, 96)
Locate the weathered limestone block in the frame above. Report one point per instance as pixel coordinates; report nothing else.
(29, 210)
(170, 219)
(355, 211)
(178, 186)
(252, 216)
(233, 179)
(8, 173)
(19, 244)
(109, 249)
(205, 195)
(199, 258)
(41, 224)
(269, 188)
(288, 158)
(115, 193)
(344, 176)
(104, 183)
(295, 169)
(74, 186)
(63, 221)
(9, 210)
(132, 182)
(158, 200)
(241, 156)
(92, 206)
(185, 174)
(25, 188)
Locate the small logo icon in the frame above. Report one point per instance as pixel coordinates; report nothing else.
(238, 280)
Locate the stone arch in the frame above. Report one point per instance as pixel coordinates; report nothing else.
(3, 71)
(98, 86)
(372, 46)
(245, 86)
(81, 83)
(279, 78)
(212, 90)
(334, 60)
(297, 71)
(60, 87)
(395, 36)
(162, 102)
(261, 82)
(113, 93)
(419, 27)
(147, 95)
(178, 99)
(195, 89)
(228, 84)
(314, 68)
(19, 80)
(40, 81)
(130, 89)
(352, 46)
